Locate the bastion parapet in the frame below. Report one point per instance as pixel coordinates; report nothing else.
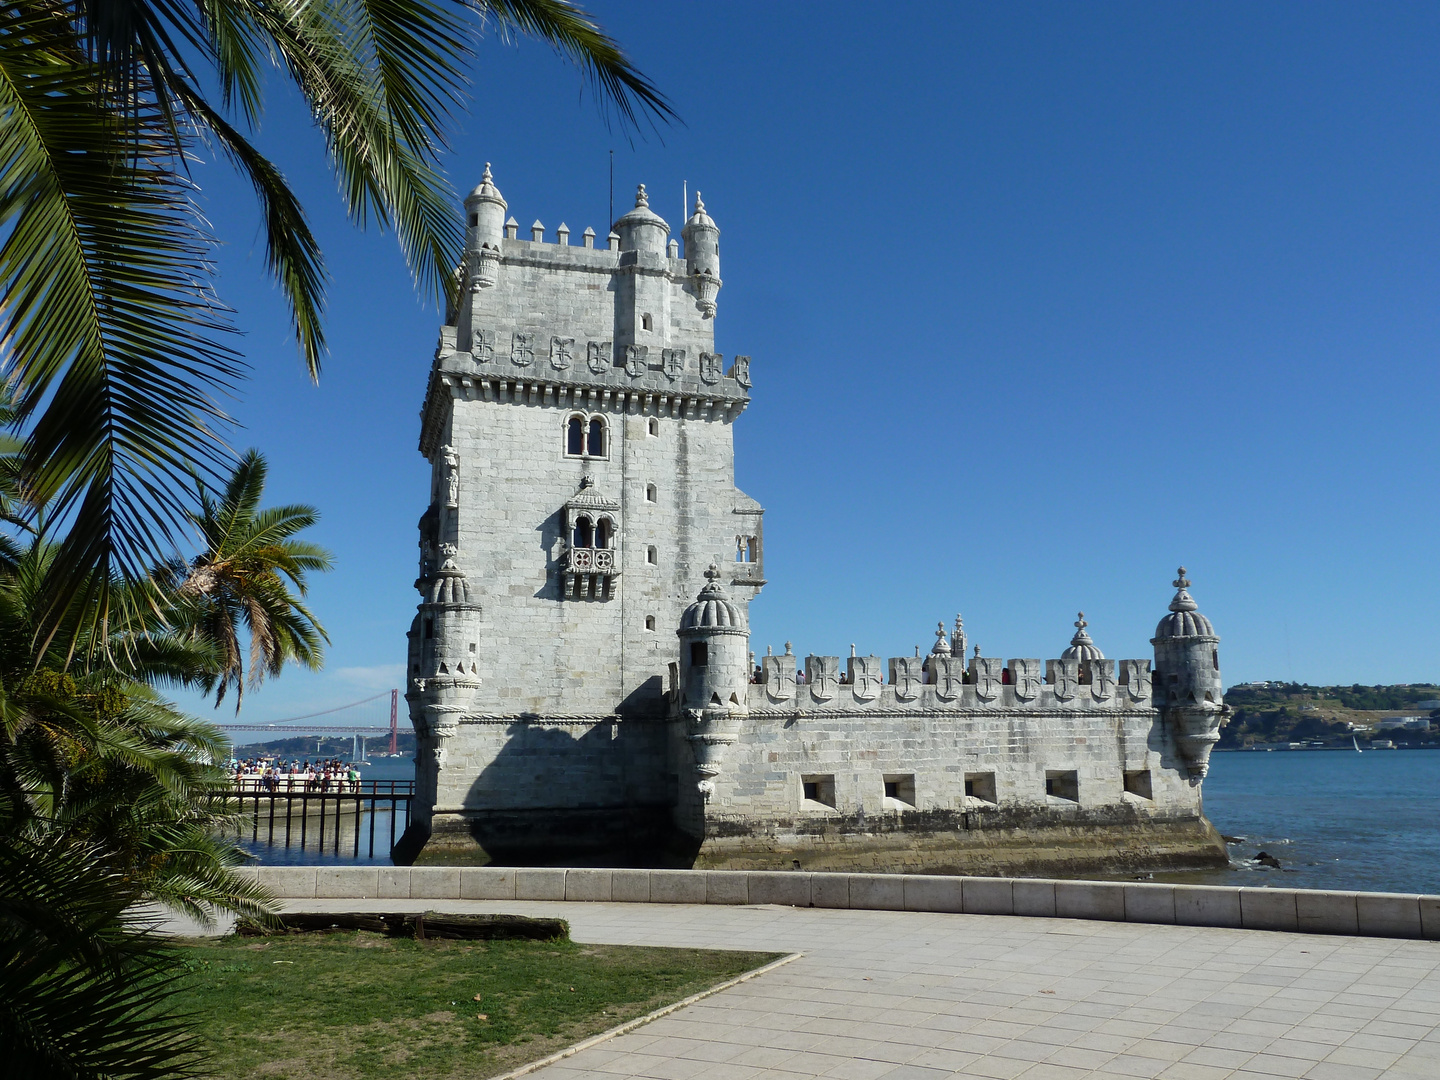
(580, 673)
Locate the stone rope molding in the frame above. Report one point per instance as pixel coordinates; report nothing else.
(1399, 915)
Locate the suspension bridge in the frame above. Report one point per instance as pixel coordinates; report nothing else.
(369, 722)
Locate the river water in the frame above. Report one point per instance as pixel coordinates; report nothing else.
(1335, 820)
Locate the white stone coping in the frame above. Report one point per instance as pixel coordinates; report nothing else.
(1401, 915)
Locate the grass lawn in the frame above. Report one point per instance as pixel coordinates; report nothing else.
(353, 1005)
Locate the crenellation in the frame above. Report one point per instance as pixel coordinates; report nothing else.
(575, 697)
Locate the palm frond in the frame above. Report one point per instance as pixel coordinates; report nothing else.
(112, 335)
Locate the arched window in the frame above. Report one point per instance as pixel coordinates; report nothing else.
(596, 447)
(602, 533)
(583, 537)
(575, 436)
(645, 323)
(649, 622)
(654, 426)
(652, 493)
(652, 556)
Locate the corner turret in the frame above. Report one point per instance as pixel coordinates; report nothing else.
(642, 229)
(484, 230)
(444, 673)
(702, 257)
(1188, 690)
(714, 676)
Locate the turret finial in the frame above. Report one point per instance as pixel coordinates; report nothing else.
(1182, 601)
(487, 178)
(699, 202)
(712, 573)
(641, 199)
(1080, 623)
(787, 648)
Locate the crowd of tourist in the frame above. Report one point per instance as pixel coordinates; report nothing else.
(330, 775)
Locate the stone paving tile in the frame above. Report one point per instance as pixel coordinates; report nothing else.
(914, 996)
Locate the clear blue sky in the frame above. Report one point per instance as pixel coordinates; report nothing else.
(1043, 300)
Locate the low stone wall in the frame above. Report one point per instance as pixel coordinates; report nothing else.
(1310, 911)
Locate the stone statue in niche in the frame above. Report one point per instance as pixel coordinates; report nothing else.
(597, 356)
(741, 370)
(636, 360)
(673, 363)
(561, 349)
(482, 346)
(712, 367)
(450, 480)
(522, 349)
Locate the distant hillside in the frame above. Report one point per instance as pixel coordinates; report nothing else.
(1275, 712)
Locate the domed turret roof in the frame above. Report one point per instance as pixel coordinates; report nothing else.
(1081, 647)
(642, 214)
(700, 219)
(486, 189)
(1184, 619)
(941, 646)
(713, 610)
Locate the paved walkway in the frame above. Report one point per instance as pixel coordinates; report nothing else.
(910, 996)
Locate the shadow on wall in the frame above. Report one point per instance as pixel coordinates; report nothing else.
(576, 794)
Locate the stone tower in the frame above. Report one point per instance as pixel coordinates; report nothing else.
(578, 424)
(1188, 689)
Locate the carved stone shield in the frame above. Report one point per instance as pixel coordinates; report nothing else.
(672, 361)
(561, 350)
(635, 360)
(779, 677)
(597, 356)
(1025, 674)
(985, 673)
(948, 675)
(712, 367)
(906, 677)
(482, 346)
(1064, 678)
(522, 349)
(865, 678)
(1137, 683)
(1102, 679)
(822, 674)
(741, 371)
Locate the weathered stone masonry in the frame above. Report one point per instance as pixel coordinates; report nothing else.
(575, 701)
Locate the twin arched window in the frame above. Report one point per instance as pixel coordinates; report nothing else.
(585, 437)
(600, 534)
